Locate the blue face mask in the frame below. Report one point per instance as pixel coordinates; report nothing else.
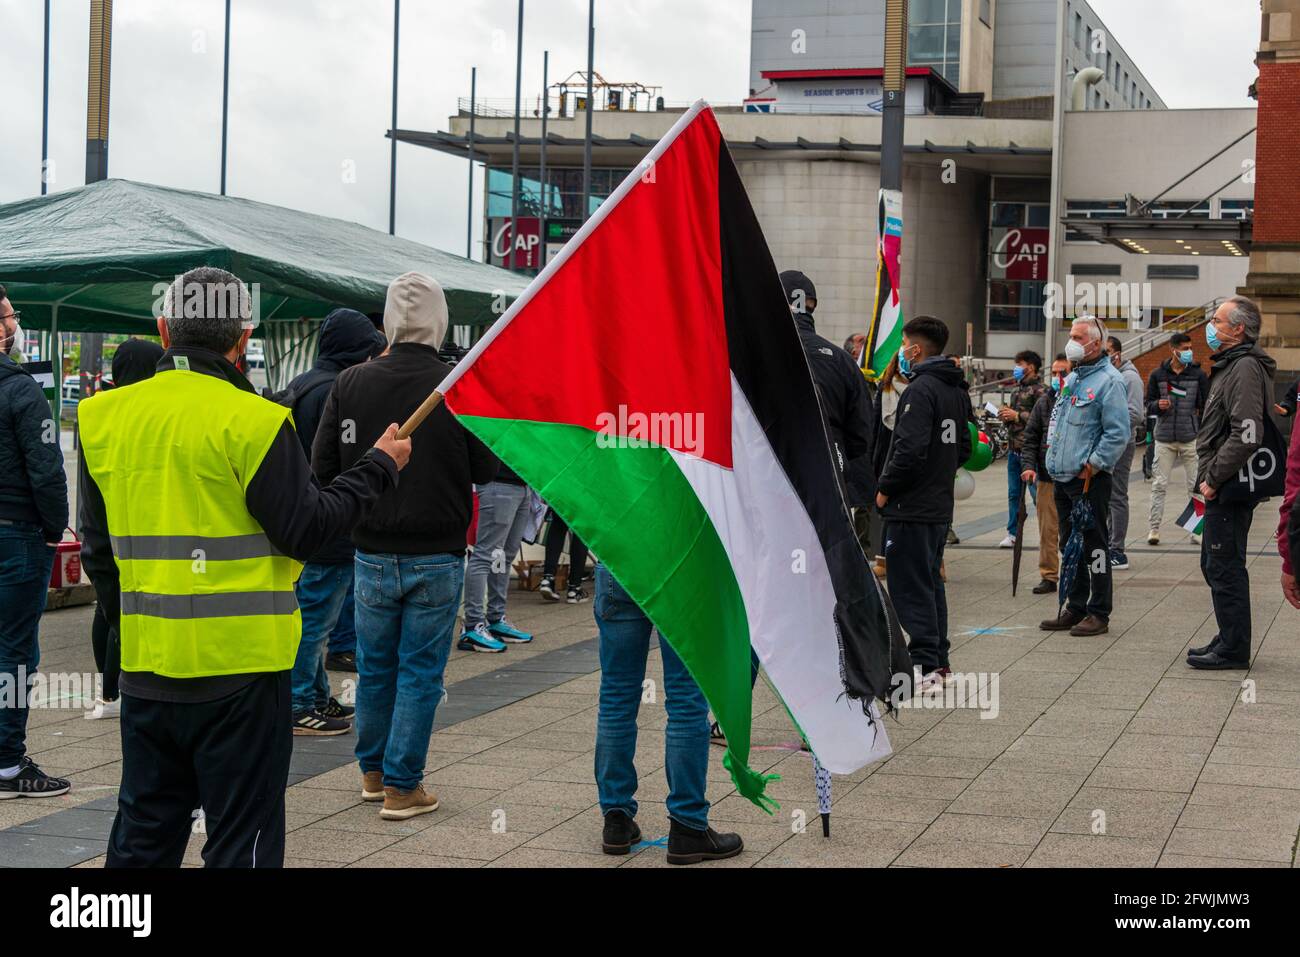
(1056, 383)
(1212, 337)
(904, 363)
(1185, 357)
(1018, 373)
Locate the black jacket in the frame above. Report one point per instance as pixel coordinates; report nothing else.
(429, 514)
(1181, 421)
(33, 487)
(296, 512)
(930, 441)
(347, 338)
(846, 403)
(1033, 452)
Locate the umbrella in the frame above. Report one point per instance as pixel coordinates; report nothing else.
(1021, 514)
(1081, 519)
(823, 779)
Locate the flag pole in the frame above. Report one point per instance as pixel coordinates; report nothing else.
(392, 156)
(420, 414)
(514, 159)
(45, 116)
(225, 98)
(469, 219)
(586, 143)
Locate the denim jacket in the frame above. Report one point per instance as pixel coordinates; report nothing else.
(1089, 423)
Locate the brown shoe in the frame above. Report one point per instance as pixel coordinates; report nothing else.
(1067, 619)
(372, 785)
(399, 805)
(1092, 625)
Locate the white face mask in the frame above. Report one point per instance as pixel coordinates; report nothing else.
(16, 344)
(1074, 351)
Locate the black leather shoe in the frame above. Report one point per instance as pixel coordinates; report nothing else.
(1205, 649)
(1216, 662)
(686, 845)
(1044, 587)
(341, 661)
(620, 833)
(1067, 620)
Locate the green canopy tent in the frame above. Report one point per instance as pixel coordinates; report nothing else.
(92, 259)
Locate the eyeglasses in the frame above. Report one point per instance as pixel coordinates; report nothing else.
(15, 316)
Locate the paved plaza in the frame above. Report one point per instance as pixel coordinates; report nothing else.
(1103, 752)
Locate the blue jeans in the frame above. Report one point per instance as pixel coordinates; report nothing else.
(343, 638)
(25, 564)
(406, 612)
(502, 517)
(624, 644)
(321, 590)
(1013, 490)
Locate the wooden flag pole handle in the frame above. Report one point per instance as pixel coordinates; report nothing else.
(420, 414)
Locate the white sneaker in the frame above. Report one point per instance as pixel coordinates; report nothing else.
(1008, 542)
(105, 709)
(1153, 537)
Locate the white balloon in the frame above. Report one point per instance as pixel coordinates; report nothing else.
(964, 487)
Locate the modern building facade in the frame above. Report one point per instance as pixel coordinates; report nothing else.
(1032, 142)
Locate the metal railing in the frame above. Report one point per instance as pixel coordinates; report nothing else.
(1158, 336)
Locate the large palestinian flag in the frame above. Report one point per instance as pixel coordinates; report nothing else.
(651, 386)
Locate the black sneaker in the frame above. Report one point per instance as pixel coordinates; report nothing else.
(32, 782)
(335, 710)
(318, 724)
(620, 833)
(575, 596)
(341, 661)
(547, 588)
(1118, 560)
(715, 734)
(1044, 587)
(686, 845)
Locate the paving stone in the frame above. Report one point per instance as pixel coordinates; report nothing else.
(979, 828)
(480, 844)
(319, 843)
(1277, 845)
(1078, 850)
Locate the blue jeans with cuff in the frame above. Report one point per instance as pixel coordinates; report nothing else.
(321, 591)
(624, 644)
(406, 612)
(25, 565)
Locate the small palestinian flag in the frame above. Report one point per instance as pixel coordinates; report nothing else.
(1179, 393)
(1193, 517)
(677, 431)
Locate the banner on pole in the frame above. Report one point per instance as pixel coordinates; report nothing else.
(886, 332)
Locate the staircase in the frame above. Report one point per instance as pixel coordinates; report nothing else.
(1147, 350)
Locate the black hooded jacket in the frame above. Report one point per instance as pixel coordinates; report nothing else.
(931, 440)
(33, 487)
(847, 406)
(134, 361)
(347, 338)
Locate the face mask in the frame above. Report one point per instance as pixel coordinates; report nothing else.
(1074, 351)
(1056, 383)
(16, 343)
(1185, 357)
(904, 363)
(1212, 337)
(1018, 373)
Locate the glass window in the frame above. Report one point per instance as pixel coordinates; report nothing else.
(928, 11)
(1039, 217)
(934, 36)
(925, 44)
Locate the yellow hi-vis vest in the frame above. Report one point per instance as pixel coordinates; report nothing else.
(203, 590)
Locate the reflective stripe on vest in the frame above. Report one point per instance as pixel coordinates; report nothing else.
(204, 592)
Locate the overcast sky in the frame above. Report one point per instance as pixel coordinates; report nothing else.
(311, 81)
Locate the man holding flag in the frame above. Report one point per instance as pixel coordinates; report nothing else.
(689, 450)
